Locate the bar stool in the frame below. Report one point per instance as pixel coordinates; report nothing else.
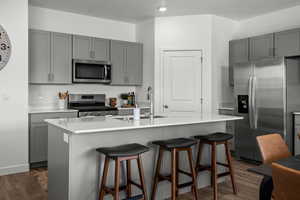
(214, 140)
(175, 146)
(121, 153)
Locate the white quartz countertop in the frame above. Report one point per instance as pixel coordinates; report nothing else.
(105, 124)
(296, 113)
(37, 110)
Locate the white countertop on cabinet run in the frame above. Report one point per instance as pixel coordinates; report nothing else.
(104, 124)
(38, 110)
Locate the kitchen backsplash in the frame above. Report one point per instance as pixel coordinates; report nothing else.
(47, 95)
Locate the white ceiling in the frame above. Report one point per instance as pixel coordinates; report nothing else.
(137, 10)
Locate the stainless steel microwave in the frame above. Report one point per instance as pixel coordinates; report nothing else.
(90, 71)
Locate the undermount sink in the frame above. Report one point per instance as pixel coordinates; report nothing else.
(142, 117)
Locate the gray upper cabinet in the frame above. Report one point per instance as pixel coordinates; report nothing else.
(39, 56)
(88, 48)
(117, 51)
(287, 43)
(134, 63)
(127, 66)
(262, 47)
(238, 51)
(49, 57)
(82, 47)
(101, 49)
(61, 57)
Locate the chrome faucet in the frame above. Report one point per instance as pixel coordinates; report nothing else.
(150, 98)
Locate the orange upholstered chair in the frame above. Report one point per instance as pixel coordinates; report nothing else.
(272, 148)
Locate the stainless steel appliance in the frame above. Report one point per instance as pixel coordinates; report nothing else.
(90, 105)
(266, 93)
(90, 71)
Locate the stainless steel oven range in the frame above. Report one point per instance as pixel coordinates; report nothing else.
(90, 105)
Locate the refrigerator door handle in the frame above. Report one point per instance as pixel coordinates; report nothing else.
(254, 110)
(250, 102)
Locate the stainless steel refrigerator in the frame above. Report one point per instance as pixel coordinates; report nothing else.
(266, 93)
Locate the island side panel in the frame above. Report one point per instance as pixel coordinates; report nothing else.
(58, 165)
(86, 164)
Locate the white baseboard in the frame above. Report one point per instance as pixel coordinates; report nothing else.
(14, 169)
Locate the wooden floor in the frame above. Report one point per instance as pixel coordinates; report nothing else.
(33, 186)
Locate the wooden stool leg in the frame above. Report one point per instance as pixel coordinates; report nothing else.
(194, 179)
(156, 176)
(142, 177)
(214, 170)
(128, 177)
(117, 178)
(173, 174)
(198, 162)
(104, 178)
(177, 173)
(229, 160)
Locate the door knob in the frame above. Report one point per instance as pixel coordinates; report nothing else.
(166, 106)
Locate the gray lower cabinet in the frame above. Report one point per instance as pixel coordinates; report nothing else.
(296, 134)
(38, 135)
(262, 47)
(50, 60)
(229, 127)
(127, 63)
(89, 48)
(287, 43)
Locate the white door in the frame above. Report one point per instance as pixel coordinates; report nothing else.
(182, 78)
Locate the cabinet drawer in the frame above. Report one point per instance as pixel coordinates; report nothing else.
(297, 120)
(40, 117)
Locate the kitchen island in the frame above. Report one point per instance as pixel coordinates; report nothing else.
(75, 168)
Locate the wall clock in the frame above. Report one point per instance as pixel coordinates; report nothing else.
(5, 48)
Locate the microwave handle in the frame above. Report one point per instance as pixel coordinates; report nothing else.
(105, 71)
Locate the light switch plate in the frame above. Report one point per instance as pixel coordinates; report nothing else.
(66, 138)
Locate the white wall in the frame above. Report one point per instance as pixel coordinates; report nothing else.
(271, 22)
(65, 22)
(223, 30)
(145, 35)
(14, 90)
(191, 32)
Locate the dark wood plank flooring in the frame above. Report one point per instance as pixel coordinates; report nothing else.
(33, 186)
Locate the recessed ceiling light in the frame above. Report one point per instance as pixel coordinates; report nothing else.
(162, 9)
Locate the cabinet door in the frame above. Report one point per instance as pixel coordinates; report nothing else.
(262, 47)
(238, 51)
(287, 43)
(61, 58)
(38, 142)
(134, 64)
(100, 49)
(82, 47)
(39, 56)
(118, 51)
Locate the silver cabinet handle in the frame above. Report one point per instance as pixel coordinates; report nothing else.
(254, 102)
(250, 102)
